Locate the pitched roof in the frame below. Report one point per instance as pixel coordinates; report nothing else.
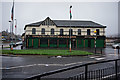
(68, 23)
(76, 23)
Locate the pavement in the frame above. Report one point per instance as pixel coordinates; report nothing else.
(23, 66)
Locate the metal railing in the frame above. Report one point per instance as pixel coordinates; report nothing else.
(108, 73)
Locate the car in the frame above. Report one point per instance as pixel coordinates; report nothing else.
(12, 44)
(19, 43)
(116, 46)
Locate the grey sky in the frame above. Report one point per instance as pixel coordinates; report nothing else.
(105, 13)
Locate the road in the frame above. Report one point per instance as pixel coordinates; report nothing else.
(23, 66)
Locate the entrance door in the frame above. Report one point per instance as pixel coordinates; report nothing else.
(29, 43)
(35, 43)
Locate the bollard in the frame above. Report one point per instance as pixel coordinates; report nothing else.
(21, 47)
(101, 50)
(95, 50)
(2, 46)
(118, 50)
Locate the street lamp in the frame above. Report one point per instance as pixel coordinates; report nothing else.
(10, 26)
(95, 33)
(11, 46)
(70, 28)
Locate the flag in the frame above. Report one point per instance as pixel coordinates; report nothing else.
(15, 26)
(12, 11)
(70, 12)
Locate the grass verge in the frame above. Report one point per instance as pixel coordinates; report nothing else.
(46, 52)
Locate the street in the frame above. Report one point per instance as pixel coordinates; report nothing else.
(23, 66)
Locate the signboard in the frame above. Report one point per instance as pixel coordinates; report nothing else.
(45, 36)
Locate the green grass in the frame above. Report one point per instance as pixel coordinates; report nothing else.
(47, 52)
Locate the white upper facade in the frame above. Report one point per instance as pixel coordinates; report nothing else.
(62, 27)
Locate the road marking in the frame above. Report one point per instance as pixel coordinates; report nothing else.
(72, 63)
(7, 68)
(99, 58)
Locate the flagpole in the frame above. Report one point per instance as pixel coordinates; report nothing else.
(15, 30)
(12, 17)
(70, 27)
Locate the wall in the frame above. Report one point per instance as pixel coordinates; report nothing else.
(48, 28)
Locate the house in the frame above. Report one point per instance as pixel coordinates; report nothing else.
(56, 33)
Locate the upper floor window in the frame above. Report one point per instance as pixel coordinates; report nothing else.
(52, 31)
(98, 31)
(43, 31)
(79, 31)
(70, 32)
(88, 31)
(61, 31)
(33, 31)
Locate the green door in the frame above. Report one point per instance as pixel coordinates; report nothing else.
(35, 43)
(29, 43)
(86, 42)
(80, 43)
(99, 43)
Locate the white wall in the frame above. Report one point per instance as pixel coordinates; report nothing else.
(48, 28)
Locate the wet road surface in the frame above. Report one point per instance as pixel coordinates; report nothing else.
(23, 66)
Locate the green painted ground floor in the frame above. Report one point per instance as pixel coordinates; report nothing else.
(62, 42)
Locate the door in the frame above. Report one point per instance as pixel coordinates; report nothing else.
(35, 43)
(29, 43)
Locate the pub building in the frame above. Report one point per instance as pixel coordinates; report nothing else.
(56, 34)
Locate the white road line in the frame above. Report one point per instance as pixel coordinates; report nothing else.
(72, 63)
(6, 68)
(99, 58)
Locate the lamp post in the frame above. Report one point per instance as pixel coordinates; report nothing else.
(95, 40)
(10, 36)
(10, 26)
(70, 27)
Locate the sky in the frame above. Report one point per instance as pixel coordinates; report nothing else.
(105, 13)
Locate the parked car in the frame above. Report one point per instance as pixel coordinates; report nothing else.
(116, 46)
(12, 44)
(19, 43)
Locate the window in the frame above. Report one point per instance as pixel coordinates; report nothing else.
(88, 31)
(43, 31)
(52, 31)
(70, 32)
(33, 31)
(61, 31)
(79, 31)
(98, 32)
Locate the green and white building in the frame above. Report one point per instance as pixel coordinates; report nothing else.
(56, 34)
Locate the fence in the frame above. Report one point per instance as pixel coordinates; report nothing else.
(108, 73)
